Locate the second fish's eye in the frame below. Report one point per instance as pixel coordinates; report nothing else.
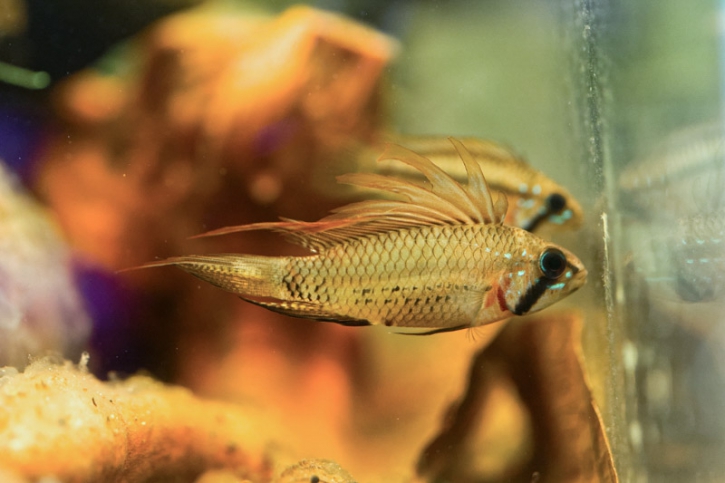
(552, 263)
(555, 202)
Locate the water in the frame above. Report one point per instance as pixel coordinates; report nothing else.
(622, 102)
(619, 101)
(657, 136)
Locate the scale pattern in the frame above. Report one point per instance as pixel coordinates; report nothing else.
(406, 278)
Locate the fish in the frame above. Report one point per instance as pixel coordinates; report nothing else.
(535, 199)
(437, 258)
(682, 175)
(689, 151)
(675, 205)
(697, 257)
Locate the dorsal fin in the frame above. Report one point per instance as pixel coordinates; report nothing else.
(439, 201)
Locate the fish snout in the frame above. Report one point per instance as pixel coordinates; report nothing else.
(575, 275)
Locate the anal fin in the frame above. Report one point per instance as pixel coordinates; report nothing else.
(417, 331)
(307, 310)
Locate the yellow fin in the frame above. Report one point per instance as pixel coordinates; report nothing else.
(440, 201)
(447, 191)
(477, 188)
(307, 310)
(418, 331)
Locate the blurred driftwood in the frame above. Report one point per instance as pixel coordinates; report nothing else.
(540, 359)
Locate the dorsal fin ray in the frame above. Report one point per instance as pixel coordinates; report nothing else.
(417, 195)
(440, 201)
(500, 207)
(476, 182)
(441, 183)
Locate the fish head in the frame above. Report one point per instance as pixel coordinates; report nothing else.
(543, 276)
(553, 206)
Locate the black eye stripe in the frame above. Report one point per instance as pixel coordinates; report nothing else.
(537, 290)
(531, 296)
(535, 221)
(554, 203)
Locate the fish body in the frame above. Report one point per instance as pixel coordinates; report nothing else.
(683, 175)
(675, 202)
(697, 257)
(442, 259)
(534, 198)
(404, 278)
(693, 151)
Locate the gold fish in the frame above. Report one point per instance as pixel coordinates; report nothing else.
(697, 257)
(683, 175)
(692, 151)
(440, 258)
(534, 198)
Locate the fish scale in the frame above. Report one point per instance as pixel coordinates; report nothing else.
(400, 278)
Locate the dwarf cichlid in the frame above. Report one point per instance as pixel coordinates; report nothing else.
(535, 200)
(682, 175)
(439, 257)
(697, 256)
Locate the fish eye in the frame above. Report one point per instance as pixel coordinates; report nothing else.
(552, 263)
(555, 202)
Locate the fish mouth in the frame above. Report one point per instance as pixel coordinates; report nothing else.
(579, 274)
(577, 269)
(578, 277)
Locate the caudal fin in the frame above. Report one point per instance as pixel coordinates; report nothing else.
(245, 275)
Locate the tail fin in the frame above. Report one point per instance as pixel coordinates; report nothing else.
(245, 275)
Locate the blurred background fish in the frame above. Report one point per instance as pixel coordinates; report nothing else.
(673, 208)
(682, 176)
(535, 200)
(697, 252)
